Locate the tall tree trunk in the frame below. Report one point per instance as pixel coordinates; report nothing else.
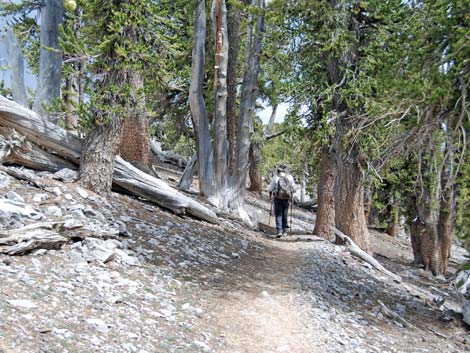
(50, 57)
(220, 118)
(256, 183)
(416, 230)
(326, 200)
(427, 199)
(134, 146)
(394, 219)
(249, 95)
(16, 60)
(197, 104)
(99, 152)
(233, 20)
(447, 205)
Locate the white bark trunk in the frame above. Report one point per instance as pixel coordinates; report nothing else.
(50, 58)
(187, 177)
(220, 119)
(247, 104)
(197, 104)
(16, 60)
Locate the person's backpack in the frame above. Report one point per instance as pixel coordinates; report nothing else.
(284, 191)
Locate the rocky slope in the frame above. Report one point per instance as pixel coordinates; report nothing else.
(130, 277)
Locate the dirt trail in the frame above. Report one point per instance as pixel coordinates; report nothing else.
(256, 312)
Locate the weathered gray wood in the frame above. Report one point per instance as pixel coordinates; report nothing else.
(16, 61)
(137, 182)
(16, 149)
(29, 227)
(144, 185)
(50, 56)
(37, 239)
(220, 116)
(197, 104)
(20, 175)
(167, 156)
(356, 251)
(187, 177)
(249, 94)
(40, 131)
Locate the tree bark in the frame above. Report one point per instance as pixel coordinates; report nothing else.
(16, 60)
(197, 104)
(99, 151)
(416, 235)
(233, 22)
(187, 177)
(134, 145)
(394, 221)
(50, 58)
(349, 192)
(447, 208)
(256, 183)
(220, 118)
(426, 201)
(326, 200)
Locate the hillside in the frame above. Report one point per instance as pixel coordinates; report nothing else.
(132, 277)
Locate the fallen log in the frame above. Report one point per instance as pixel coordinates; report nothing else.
(30, 227)
(16, 149)
(167, 156)
(41, 132)
(46, 134)
(357, 251)
(42, 239)
(153, 189)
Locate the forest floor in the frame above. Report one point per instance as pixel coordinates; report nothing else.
(176, 284)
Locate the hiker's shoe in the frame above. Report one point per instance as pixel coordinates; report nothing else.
(284, 233)
(279, 234)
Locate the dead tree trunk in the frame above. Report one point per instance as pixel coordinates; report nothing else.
(187, 177)
(16, 60)
(233, 22)
(220, 118)
(248, 98)
(197, 104)
(50, 57)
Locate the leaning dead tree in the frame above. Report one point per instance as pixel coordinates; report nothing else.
(38, 144)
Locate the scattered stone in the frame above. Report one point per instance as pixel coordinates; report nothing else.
(4, 181)
(38, 198)
(83, 193)
(99, 325)
(23, 303)
(11, 195)
(53, 211)
(66, 175)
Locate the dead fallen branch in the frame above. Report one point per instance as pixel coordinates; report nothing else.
(32, 240)
(66, 145)
(393, 315)
(356, 251)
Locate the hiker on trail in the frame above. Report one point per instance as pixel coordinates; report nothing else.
(282, 187)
